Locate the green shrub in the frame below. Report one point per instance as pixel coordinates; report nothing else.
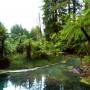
(86, 59)
(18, 61)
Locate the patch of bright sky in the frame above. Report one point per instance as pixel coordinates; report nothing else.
(24, 12)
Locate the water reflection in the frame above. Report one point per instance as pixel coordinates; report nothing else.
(26, 85)
(3, 81)
(53, 78)
(52, 84)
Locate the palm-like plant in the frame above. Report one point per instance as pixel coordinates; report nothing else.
(78, 30)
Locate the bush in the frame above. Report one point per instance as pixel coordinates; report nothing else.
(39, 55)
(86, 59)
(18, 62)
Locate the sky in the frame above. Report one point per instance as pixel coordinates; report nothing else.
(24, 12)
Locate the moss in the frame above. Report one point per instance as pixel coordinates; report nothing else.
(86, 81)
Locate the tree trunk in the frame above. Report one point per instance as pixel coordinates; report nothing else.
(1, 46)
(74, 9)
(86, 34)
(69, 8)
(87, 37)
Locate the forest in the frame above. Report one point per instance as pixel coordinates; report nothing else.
(65, 39)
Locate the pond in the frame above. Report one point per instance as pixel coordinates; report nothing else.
(56, 77)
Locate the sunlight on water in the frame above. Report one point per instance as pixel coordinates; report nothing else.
(36, 85)
(10, 87)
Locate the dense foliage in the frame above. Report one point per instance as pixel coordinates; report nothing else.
(56, 13)
(67, 25)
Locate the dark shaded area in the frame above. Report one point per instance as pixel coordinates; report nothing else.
(4, 63)
(20, 48)
(84, 86)
(52, 84)
(86, 34)
(28, 51)
(2, 46)
(69, 51)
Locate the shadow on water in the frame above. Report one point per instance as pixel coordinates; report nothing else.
(52, 78)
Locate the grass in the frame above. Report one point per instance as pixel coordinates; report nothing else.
(20, 62)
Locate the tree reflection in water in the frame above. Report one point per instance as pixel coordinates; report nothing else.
(41, 80)
(51, 84)
(3, 81)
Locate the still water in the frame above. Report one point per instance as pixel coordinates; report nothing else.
(56, 77)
